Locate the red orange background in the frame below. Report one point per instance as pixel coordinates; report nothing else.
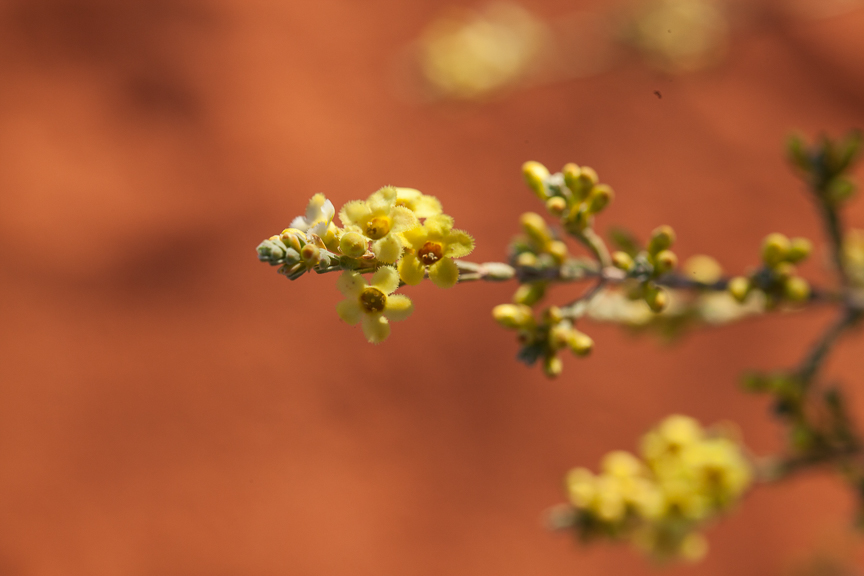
(170, 406)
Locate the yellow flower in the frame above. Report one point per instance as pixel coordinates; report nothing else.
(422, 205)
(380, 220)
(434, 245)
(372, 303)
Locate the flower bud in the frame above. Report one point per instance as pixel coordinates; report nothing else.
(661, 239)
(310, 254)
(535, 227)
(739, 287)
(552, 366)
(796, 289)
(783, 270)
(556, 205)
(353, 244)
(580, 181)
(601, 196)
(622, 261)
(526, 260)
(580, 343)
(775, 247)
(799, 249)
(535, 175)
(293, 238)
(656, 298)
(515, 316)
(530, 294)
(665, 261)
(272, 251)
(558, 251)
(559, 336)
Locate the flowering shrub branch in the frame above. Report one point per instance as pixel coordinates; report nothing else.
(686, 476)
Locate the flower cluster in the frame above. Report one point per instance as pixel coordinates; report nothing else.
(686, 477)
(776, 278)
(398, 235)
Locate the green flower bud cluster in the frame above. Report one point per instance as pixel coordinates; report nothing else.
(684, 477)
(825, 164)
(543, 339)
(644, 267)
(777, 278)
(296, 253)
(574, 195)
(535, 251)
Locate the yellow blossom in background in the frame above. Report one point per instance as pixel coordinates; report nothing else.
(421, 204)
(680, 36)
(433, 247)
(372, 303)
(467, 54)
(380, 220)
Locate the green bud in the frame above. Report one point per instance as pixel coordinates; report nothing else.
(556, 206)
(656, 297)
(558, 251)
(293, 238)
(310, 254)
(272, 251)
(353, 244)
(665, 261)
(661, 239)
(526, 260)
(580, 343)
(559, 336)
(840, 190)
(784, 270)
(622, 261)
(516, 316)
(535, 227)
(571, 173)
(799, 250)
(739, 287)
(552, 366)
(535, 175)
(601, 196)
(796, 289)
(580, 181)
(553, 315)
(775, 248)
(530, 294)
(796, 152)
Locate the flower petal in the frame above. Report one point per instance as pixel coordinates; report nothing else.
(375, 327)
(349, 311)
(416, 237)
(411, 270)
(398, 307)
(439, 225)
(459, 243)
(444, 273)
(387, 249)
(427, 206)
(381, 201)
(402, 219)
(385, 279)
(299, 223)
(354, 212)
(351, 283)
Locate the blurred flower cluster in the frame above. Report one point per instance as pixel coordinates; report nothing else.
(683, 478)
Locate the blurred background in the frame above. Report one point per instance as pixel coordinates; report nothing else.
(170, 406)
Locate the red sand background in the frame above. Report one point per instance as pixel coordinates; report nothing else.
(170, 406)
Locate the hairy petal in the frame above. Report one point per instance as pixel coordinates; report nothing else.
(375, 327)
(427, 206)
(387, 249)
(355, 212)
(381, 201)
(349, 311)
(385, 279)
(438, 226)
(459, 243)
(416, 237)
(402, 219)
(398, 307)
(350, 284)
(411, 270)
(444, 273)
